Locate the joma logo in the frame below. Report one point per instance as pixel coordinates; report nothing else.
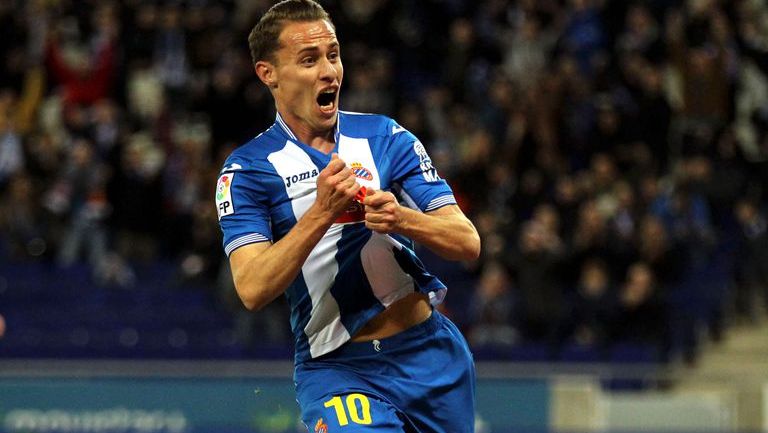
(290, 180)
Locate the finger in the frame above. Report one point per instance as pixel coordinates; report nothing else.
(344, 185)
(344, 180)
(352, 190)
(378, 228)
(375, 218)
(368, 200)
(335, 166)
(349, 184)
(385, 210)
(379, 198)
(340, 176)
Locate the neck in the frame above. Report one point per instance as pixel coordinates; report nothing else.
(322, 140)
(324, 143)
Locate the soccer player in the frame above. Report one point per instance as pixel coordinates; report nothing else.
(311, 208)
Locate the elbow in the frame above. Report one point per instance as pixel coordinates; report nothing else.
(252, 303)
(472, 247)
(473, 244)
(251, 297)
(467, 250)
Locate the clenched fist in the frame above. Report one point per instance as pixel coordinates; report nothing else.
(383, 214)
(336, 187)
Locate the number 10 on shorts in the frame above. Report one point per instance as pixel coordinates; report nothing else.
(359, 414)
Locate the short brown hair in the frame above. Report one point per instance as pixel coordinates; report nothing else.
(264, 38)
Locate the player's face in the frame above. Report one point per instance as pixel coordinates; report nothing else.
(308, 74)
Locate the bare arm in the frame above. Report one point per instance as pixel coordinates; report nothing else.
(263, 271)
(446, 230)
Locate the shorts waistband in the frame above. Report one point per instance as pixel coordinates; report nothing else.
(384, 345)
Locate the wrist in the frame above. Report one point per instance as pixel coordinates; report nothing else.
(320, 215)
(404, 217)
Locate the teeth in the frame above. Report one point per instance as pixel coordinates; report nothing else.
(327, 99)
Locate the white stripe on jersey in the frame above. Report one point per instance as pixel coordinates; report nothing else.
(358, 151)
(290, 161)
(388, 282)
(284, 126)
(243, 240)
(440, 202)
(324, 330)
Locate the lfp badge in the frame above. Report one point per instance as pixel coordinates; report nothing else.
(224, 205)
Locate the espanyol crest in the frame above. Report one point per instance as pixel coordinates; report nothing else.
(360, 171)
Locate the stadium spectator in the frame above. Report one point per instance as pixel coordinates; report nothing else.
(527, 50)
(11, 152)
(641, 316)
(491, 307)
(84, 76)
(21, 220)
(135, 192)
(590, 306)
(752, 268)
(537, 265)
(170, 53)
(666, 258)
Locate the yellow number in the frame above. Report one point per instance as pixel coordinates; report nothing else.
(339, 407)
(365, 408)
(363, 416)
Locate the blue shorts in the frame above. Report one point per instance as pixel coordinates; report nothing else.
(421, 380)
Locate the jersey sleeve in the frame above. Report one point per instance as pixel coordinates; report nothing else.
(414, 177)
(242, 208)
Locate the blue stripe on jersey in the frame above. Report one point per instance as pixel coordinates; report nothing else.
(408, 242)
(301, 309)
(411, 264)
(357, 304)
(297, 293)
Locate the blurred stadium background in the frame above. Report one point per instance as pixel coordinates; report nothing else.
(613, 155)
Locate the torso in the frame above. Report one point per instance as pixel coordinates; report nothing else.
(356, 284)
(401, 315)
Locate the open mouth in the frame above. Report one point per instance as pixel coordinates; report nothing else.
(327, 99)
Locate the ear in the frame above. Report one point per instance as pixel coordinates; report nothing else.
(266, 73)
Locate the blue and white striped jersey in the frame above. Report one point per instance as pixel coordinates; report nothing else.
(353, 273)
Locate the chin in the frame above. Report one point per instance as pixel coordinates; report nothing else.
(328, 119)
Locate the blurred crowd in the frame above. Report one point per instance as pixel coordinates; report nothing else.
(613, 154)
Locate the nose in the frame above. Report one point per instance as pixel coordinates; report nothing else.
(329, 70)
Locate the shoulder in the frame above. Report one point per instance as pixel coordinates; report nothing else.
(252, 155)
(364, 125)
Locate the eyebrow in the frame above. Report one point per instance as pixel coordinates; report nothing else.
(317, 47)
